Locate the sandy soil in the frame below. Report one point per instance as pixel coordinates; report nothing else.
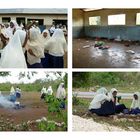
(82, 124)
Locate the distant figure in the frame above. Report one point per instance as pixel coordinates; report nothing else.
(43, 93)
(18, 92)
(118, 107)
(61, 92)
(49, 90)
(102, 104)
(13, 97)
(135, 105)
(61, 95)
(12, 91)
(52, 29)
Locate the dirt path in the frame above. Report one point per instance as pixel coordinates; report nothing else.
(82, 124)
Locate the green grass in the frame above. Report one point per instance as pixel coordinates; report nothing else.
(124, 121)
(30, 87)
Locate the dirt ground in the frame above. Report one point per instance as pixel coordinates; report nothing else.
(34, 109)
(114, 57)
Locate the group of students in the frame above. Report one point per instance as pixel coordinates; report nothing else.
(29, 48)
(60, 94)
(104, 103)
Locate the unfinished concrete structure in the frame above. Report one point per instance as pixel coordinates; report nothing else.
(125, 27)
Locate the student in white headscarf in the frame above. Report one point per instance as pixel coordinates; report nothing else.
(35, 49)
(135, 105)
(12, 91)
(101, 103)
(56, 47)
(45, 38)
(61, 92)
(119, 108)
(49, 90)
(43, 92)
(61, 95)
(12, 28)
(12, 55)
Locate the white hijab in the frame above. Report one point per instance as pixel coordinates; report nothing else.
(43, 90)
(110, 94)
(49, 90)
(12, 55)
(136, 103)
(35, 43)
(99, 98)
(101, 90)
(61, 93)
(57, 44)
(48, 35)
(12, 91)
(10, 30)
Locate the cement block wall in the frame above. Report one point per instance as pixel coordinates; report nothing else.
(130, 31)
(78, 23)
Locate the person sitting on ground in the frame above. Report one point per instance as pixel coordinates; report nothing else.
(119, 108)
(102, 104)
(135, 105)
(43, 93)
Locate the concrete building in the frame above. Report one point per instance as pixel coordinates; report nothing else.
(45, 17)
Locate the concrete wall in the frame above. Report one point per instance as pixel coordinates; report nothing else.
(78, 23)
(48, 19)
(127, 32)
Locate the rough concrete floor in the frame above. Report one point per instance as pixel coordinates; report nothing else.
(114, 57)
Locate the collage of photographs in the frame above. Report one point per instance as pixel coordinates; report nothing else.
(69, 73)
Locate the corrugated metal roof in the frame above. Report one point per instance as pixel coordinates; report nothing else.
(34, 11)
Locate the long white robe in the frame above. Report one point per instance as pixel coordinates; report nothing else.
(61, 92)
(12, 55)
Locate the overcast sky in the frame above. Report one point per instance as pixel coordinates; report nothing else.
(14, 78)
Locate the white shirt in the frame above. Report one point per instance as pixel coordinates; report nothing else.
(98, 100)
(135, 104)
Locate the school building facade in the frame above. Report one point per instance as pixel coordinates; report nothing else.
(45, 17)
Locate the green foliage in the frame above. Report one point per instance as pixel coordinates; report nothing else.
(75, 100)
(53, 103)
(4, 74)
(90, 79)
(37, 86)
(47, 126)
